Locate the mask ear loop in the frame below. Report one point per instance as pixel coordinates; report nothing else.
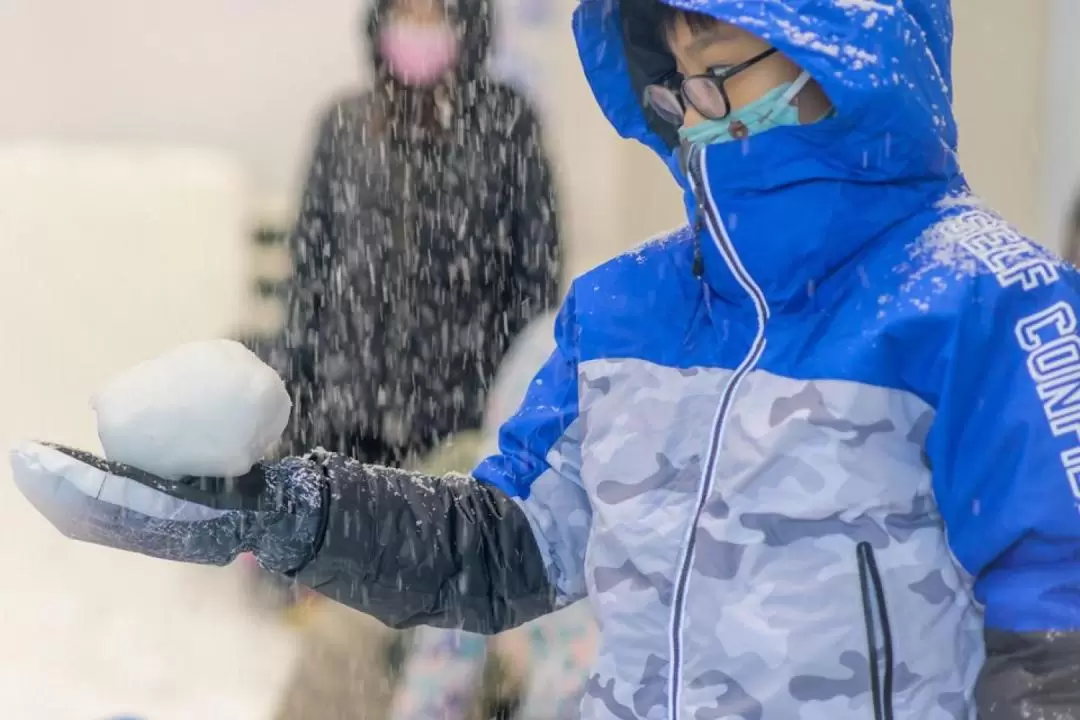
(796, 87)
(788, 96)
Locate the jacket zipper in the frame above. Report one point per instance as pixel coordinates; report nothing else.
(707, 211)
(877, 617)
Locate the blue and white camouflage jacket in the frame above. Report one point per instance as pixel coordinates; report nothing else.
(815, 455)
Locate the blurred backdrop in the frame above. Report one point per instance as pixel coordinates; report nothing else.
(151, 156)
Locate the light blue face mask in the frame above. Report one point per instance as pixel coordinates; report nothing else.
(773, 109)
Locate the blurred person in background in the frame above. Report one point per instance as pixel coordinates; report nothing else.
(548, 659)
(427, 238)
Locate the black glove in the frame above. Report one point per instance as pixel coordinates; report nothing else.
(276, 511)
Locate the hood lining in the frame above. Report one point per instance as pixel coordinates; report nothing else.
(648, 60)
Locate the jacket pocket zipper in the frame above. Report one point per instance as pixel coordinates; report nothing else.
(876, 616)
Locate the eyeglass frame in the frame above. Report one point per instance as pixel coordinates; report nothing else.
(716, 78)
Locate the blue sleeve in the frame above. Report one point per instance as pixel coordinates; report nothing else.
(539, 463)
(1005, 447)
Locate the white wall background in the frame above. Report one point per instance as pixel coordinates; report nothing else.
(1000, 77)
(1059, 134)
(108, 259)
(242, 77)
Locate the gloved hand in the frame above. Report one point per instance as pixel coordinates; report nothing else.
(275, 511)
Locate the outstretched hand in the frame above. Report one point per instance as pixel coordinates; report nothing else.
(273, 511)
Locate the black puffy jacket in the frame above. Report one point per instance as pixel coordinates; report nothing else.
(427, 238)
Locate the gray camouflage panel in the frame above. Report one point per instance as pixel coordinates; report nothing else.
(774, 626)
(560, 515)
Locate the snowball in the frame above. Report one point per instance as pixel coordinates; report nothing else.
(205, 408)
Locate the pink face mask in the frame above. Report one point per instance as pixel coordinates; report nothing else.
(418, 54)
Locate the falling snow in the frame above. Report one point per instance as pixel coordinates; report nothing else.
(660, 240)
(868, 6)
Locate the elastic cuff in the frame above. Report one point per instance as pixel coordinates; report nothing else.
(325, 499)
(293, 532)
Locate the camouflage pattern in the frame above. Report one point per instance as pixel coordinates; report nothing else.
(773, 626)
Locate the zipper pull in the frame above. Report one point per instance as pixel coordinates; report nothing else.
(699, 227)
(691, 157)
(699, 261)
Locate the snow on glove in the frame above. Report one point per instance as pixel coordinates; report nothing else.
(274, 511)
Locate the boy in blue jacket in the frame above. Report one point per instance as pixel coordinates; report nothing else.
(815, 455)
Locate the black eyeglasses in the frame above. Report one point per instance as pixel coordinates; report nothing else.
(705, 93)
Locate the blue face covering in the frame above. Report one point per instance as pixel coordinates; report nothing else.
(773, 109)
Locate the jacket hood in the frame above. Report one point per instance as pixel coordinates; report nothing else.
(472, 19)
(889, 149)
